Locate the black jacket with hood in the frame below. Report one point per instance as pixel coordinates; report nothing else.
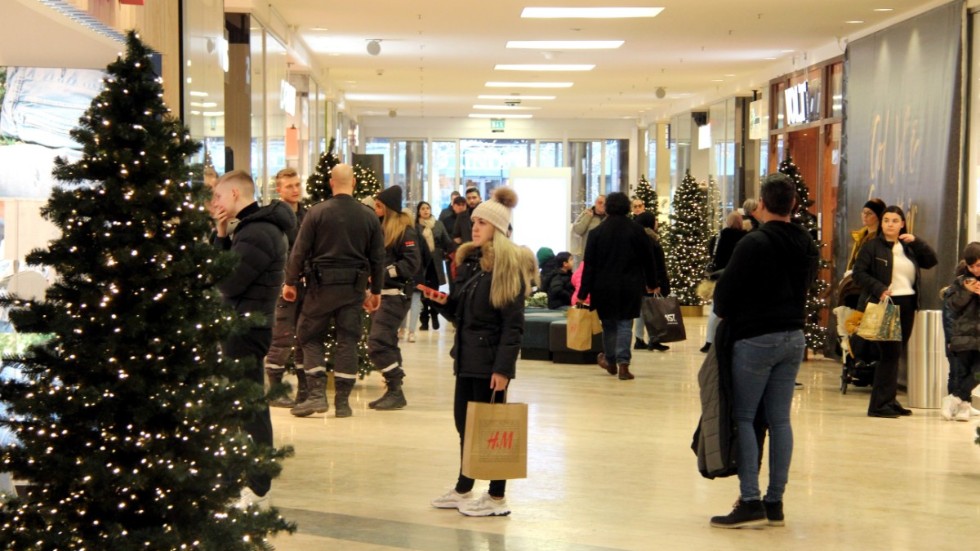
(260, 240)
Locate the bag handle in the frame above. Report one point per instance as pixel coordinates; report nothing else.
(493, 396)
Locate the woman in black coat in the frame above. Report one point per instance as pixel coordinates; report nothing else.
(619, 270)
(889, 266)
(434, 244)
(648, 222)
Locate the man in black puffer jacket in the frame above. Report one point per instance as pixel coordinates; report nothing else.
(260, 240)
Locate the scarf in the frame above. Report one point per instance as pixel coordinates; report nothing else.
(427, 224)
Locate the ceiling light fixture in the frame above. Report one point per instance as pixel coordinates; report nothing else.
(514, 97)
(505, 107)
(884, 9)
(499, 116)
(564, 44)
(589, 13)
(854, 22)
(498, 84)
(544, 67)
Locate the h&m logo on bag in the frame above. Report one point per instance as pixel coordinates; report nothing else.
(501, 440)
(671, 318)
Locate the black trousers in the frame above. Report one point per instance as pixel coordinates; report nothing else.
(885, 386)
(254, 344)
(383, 339)
(474, 389)
(323, 304)
(963, 374)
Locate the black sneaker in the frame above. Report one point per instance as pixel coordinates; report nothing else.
(638, 344)
(658, 346)
(885, 412)
(774, 512)
(745, 514)
(706, 347)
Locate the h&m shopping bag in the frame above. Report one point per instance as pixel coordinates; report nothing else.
(881, 322)
(582, 324)
(495, 442)
(663, 320)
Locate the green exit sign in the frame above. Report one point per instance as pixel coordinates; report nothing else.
(497, 125)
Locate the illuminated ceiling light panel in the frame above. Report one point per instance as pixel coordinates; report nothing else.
(498, 116)
(497, 84)
(355, 96)
(544, 67)
(589, 13)
(514, 97)
(505, 107)
(564, 44)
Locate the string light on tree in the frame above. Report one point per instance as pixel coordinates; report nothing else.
(127, 417)
(646, 193)
(318, 184)
(816, 299)
(686, 243)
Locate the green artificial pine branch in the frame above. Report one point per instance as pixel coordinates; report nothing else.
(686, 246)
(318, 184)
(128, 417)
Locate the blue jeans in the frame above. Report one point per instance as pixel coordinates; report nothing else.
(764, 369)
(616, 340)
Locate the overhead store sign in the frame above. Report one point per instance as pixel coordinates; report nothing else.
(802, 102)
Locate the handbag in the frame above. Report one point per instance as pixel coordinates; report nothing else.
(495, 441)
(881, 322)
(662, 318)
(581, 325)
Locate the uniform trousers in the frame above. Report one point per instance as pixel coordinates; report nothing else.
(284, 340)
(383, 339)
(322, 305)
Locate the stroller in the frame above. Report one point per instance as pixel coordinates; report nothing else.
(860, 357)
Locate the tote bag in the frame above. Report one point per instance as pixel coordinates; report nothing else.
(582, 324)
(495, 443)
(663, 320)
(881, 322)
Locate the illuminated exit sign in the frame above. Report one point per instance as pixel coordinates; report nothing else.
(497, 125)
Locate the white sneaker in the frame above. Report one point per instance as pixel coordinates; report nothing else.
(411, 336)
(451, 499)
(950, 406)
(485, 506)
(249, 498)
(963, 412)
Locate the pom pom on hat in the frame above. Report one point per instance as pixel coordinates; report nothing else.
(497, 211)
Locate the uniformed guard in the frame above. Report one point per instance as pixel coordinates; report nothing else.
(290, 190)
(402, 262)
(342, 245)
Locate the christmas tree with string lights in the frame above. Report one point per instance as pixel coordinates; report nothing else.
(716, 216)
(646, 193)
(318, 184)
(367, 183)
(128, 420)
(687, 237)
(816, 300)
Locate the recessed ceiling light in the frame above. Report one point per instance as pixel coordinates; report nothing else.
(514, 97)
(505, 107)
(319, 29)
(589, 13)
(196, 94)
(769, 58)
(388, 98)
(204, 104)
(883, 9)
(730, 75)
(544, 67)
(786, 51)
(498, 84)
(565, 44)
(717, 80)
(854, 22)
(499, 116)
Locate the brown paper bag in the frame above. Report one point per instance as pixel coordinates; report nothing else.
(582, 323)
(495, 444)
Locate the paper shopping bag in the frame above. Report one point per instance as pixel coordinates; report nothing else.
(581, 326)
(881, 322)
(495, 442)
(663, 320)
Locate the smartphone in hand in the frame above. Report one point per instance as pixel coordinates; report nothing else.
(430, 293)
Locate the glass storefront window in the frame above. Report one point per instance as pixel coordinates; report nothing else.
(381, 146)
(256, 70)
(616, 167)
(486, 164)
(550, 154)
(443, 174)
(205, 62)
(651, 145)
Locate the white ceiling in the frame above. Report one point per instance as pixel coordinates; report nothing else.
(436, 55)
(35, 35)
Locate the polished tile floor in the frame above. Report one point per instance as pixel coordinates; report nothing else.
(610, 467)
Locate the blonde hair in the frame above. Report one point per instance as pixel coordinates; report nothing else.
(510, 266)
(393, 225)
(734, 220)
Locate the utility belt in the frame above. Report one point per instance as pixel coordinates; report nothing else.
(396, 287)
(323, 276)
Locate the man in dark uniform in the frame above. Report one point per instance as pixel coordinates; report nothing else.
(342, 244)
(290, 190)
(260, 241)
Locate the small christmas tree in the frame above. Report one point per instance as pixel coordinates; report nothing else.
(687, 241)
(645, 193)
(816, 301)
(127, 417)
(318, 184)
(367, 184)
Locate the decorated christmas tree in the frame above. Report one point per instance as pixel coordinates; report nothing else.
(367, 183)
(687, 241)
(318, 184)
(816, 300)
(127, 418)
(646, 193)
(716, 214)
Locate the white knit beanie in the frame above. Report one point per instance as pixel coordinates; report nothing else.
(498, 210)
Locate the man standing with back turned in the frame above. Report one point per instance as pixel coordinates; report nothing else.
(342, 243)
(762, 298)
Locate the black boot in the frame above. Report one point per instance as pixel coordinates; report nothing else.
(275, 380)
(302, 389)
(638, 344)
(316, 401)
(393, 397)
(435, 321)
(341, 405)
